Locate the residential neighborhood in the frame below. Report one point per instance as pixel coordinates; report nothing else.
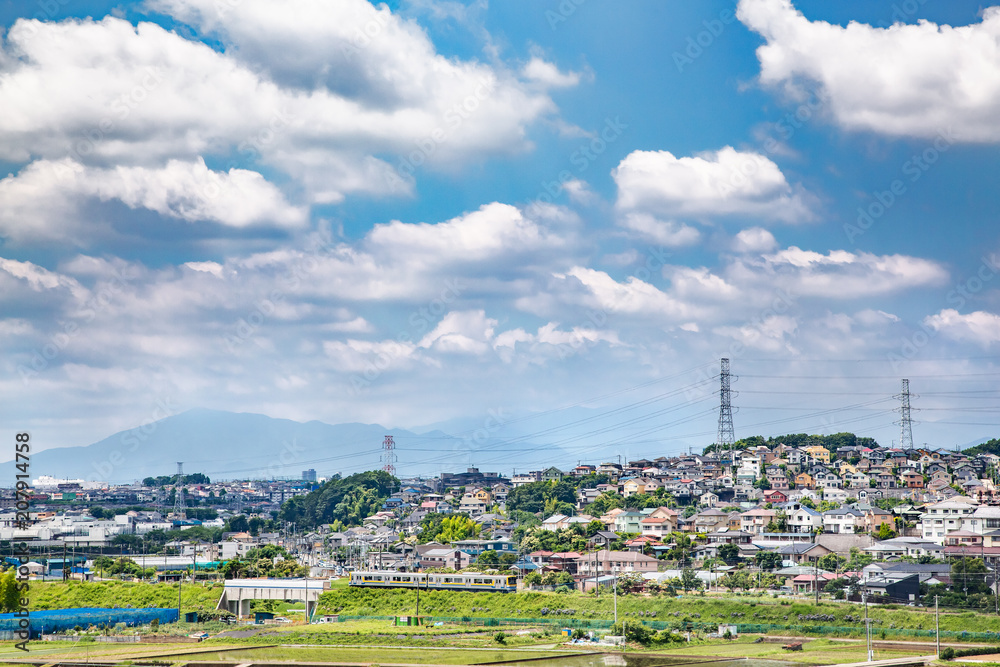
(865, 510)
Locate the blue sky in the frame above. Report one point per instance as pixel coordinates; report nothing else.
(420, 212)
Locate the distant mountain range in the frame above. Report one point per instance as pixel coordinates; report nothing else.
(228, 445)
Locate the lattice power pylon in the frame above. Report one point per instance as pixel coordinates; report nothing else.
(389, 455)
(727, 436)
(905, 421)
(179, 510)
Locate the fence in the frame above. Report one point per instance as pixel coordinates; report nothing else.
(56, 620)
(742, 628)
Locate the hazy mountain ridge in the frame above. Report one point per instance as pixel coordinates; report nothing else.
(228, 445)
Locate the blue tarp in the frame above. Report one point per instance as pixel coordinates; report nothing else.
(55, 620)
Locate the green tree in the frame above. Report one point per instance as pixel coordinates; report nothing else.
(767, 560)
(238, 524)
(690, 581)
(8, 591)
(729, 553)
(832, 562)
(488, 557)
(629, 582)
(885, 532)
(458, 527)
(349, 500)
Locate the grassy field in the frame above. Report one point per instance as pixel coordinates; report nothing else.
(59, 595)
(380, 655)
(707, 609)
(383, 633)
(818, 652)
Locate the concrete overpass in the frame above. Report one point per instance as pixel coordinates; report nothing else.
(238, 593)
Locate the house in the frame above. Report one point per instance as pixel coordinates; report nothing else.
(802, 553)
(708, 499)
(628, 522)
(842, 520)
(778, 481)
(602, 539)
(658, 527)
(755, 521)
(634, 486)
(911, 479)
(804, 520)
(892, 586)
(555, 522)
(856, 480)
(804, 481)
(602, 563)
(552, 474)
(775, 496)
(443, 557)
(710, 520)
(944, 517)
(875, 518)
(818, 453)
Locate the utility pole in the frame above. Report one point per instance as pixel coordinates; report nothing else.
(868, 627)
(816, 581)
(615, 584)
(937, 627)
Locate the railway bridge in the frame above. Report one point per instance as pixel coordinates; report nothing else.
(238, 593)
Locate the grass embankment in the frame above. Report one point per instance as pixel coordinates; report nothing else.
(59, 595)
(708, 609)
(384, 633)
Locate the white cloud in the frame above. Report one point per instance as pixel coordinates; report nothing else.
(548, 74)
(462, 332)
(726, 182)
(753, 240)
(979, 327)
(903, 80)
(360, 356)
(665, 232)
(294, 89)
(838, 274)
(47, 199)
(492, 230)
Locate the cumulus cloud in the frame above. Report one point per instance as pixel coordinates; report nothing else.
(903, 80)
(296, 89)
(47, 198)
(754, 239)
(979, 327)
(723, 183)
(462, 332)
(838, 274)
(491, 230)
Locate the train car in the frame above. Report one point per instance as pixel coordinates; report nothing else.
(471, 581)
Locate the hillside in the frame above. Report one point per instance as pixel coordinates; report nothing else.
(59, 595)
(709, 609)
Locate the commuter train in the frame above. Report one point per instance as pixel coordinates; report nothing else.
(473, 581)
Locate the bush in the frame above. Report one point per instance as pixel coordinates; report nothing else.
(633, 631)
(948, 653)
(500, 638)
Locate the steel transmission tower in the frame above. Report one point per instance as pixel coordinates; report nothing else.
(905, 422)
(727, 436)
(179, 512)
(389, 455)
